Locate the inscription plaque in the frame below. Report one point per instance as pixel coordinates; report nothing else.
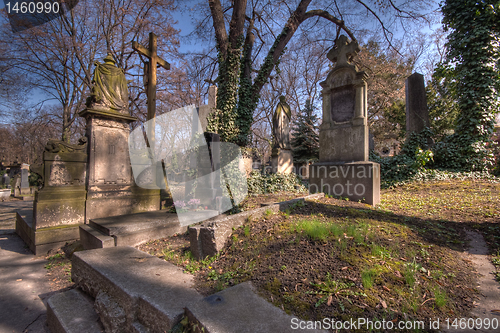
(342, 104)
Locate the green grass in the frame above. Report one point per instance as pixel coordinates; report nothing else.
(411, 271)
(368, 277)
(333, 288)
(440, 297)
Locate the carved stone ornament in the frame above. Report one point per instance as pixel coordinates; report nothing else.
(58, 146)
(343, 52)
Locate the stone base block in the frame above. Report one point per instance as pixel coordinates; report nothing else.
(41, 241)
(57, 206)
(113, 203)
(355, 180)
(282, 161)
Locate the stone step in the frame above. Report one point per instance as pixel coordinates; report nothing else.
(133, 290)
(91, 238)
(129, 230)
(72, 312)
(240, 309)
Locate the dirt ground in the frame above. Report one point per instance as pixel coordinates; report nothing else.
(401, 260)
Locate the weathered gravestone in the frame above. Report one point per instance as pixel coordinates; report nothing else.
(6, 180)
(343, 168)
(111, 189)
(59, 206)
(281, 156)
(205, 161)
(417, 113)
(24, 186)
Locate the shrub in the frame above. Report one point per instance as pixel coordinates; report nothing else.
(259, 183)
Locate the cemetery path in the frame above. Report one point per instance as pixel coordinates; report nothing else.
(489, 301)
(24, 286)
(8, 214)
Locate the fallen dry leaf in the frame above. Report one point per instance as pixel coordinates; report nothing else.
(384, 304)
(398, 274)
(386, 289)
(344, 268)
(329, 301)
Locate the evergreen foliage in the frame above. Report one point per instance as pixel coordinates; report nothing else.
(305, 141)
(442, 102)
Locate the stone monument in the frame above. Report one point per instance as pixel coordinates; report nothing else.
(417, 113)
(343, 168)
(111, 189)
(59, 206)
(281, 156)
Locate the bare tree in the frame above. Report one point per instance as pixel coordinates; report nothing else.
(58, 57)
(252, 36)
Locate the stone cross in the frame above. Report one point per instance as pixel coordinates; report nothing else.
(150, 70)
(343, 51)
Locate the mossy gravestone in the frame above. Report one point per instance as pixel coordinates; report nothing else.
(59, 206)
(343, 168)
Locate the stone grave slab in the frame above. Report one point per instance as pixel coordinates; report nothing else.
(133, 289)
(240, 309)
(72, 312)
(133, 229)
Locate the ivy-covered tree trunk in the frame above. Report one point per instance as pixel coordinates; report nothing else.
(239, 94)
(473, 50)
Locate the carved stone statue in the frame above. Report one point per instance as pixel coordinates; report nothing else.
(281, 125)
(109, 91)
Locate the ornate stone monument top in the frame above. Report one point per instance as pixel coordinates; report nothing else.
(343, 52)
(109, 91)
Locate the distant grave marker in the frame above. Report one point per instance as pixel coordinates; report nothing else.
(417, 113)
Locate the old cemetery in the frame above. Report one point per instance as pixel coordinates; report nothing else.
(259, 251)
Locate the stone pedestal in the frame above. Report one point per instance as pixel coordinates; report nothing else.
(355, 180)
(282, 161)
(111, 189)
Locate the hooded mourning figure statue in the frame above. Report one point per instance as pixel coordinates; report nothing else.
(109, 91)
(281, 125)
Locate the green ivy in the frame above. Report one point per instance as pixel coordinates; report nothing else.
(473, 57)
(259, 183)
